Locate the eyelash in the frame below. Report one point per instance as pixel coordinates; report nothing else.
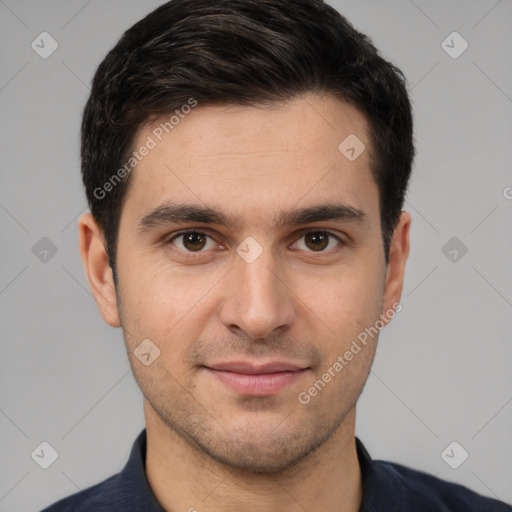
(192, 254)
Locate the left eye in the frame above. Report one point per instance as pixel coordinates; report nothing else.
(317, 241)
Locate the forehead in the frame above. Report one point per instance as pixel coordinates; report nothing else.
(254, 161)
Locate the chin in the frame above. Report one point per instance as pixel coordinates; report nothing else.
(262, 452)
(252, 459)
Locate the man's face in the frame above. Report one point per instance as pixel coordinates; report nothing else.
(248, 314)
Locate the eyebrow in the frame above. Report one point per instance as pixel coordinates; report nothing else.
(178, 213)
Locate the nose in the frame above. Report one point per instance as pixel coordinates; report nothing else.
(257, 299)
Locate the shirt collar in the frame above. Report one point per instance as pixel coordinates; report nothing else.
(133, 477)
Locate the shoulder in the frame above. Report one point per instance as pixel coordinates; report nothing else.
(97, 498)
(427, 492)
(392, 487)
(127, 490)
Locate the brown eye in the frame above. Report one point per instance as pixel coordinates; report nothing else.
(317, 240)
(194, 241)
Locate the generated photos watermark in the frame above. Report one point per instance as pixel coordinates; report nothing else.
(151, 142)
(305, 397)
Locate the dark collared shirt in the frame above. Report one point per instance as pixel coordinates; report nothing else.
(387, 487)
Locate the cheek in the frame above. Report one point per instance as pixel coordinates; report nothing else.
(346, 300)
(164, 305)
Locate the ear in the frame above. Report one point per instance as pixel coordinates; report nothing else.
(398, 253)
(99, 274)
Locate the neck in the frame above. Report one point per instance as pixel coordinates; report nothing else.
(183, 478)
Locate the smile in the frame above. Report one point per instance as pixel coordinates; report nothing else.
(249, 380)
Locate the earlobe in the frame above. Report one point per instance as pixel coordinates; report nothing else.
(398, 254)
(99, 274)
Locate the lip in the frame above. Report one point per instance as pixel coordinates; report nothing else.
(256, 380)
(256, 369)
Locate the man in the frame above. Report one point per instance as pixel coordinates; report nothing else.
(246, 164)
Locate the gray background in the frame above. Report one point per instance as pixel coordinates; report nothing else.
(442, 371)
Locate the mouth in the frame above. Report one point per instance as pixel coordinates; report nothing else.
(257, 380)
